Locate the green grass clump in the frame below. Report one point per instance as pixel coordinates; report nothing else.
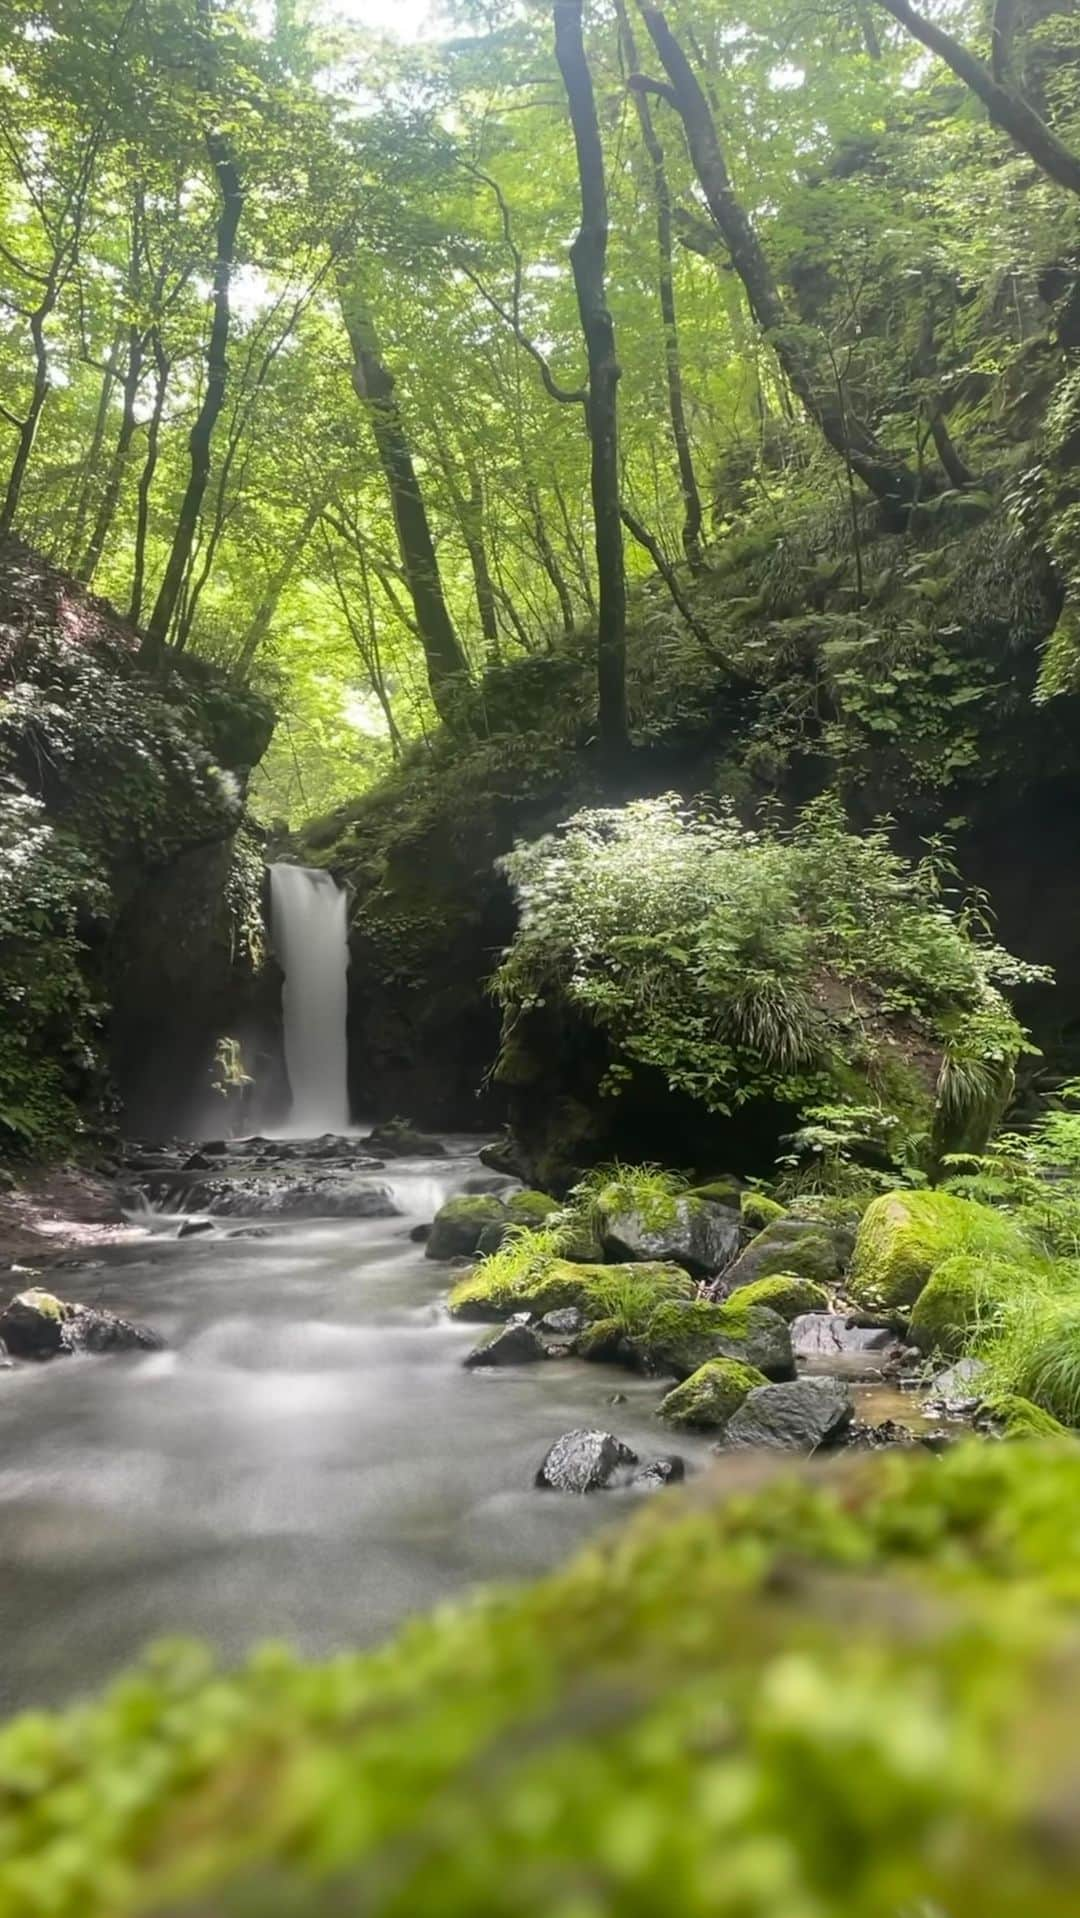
(663, 1725)
(1035, 1353)
(530, 1273)
(904, 1236)
(648, 1190)
(961, 1305)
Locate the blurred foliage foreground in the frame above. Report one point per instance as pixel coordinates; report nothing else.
(828, 1693)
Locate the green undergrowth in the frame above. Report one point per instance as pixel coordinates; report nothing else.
(846, 1694)
(105, 775)
(765, 965)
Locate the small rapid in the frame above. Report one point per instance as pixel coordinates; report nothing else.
(307, 1459)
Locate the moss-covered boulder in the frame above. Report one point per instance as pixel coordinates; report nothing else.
(695, 1233)
(905, 1236)
(528, 1208)
(460, 1223)
(785, 1293)
(811, 1248)
(542, 1283)
(759, 1211)
(682, 1336)
(1017, 1418)
(960, 1302)
(728, 1192)
(711, 1394)
(37, 1325)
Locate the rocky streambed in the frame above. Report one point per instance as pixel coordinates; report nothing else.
(291, 1436)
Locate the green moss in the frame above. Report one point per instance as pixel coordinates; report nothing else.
(785, 1293)
(680, 1338)
(530, 1208)
(665, 1723)
(711, 1394)
(758, 1210)
(905, 1236)
(1018, 1418)
(720, 1192)
(810, 1249)
(526, 1277)
(458, 1225)
(961, 1301)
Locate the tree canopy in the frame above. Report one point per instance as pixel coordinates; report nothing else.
(299, 368)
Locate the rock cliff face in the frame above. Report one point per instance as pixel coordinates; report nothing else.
(130, 878)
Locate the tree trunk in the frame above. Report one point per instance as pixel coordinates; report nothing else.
(640, 532)
(447, 667)
(114, 479)
(692, 514)
(888, 478)
(227, 174)
(588, 254)
(1006, 108)
(28, 426)
(90, 465)
(472, 531)
(146, 477)
(262, 619)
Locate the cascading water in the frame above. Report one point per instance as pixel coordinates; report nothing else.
(308, 917)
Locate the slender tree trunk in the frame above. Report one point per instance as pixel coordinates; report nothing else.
(574, 547)
(146, 477)
(692, 514)
(92, 462)
(114, 478)
(886, 477)
(588, 254)
(640, 532)
(231, 190)
(1006, 108)
(549, 559)
(263, 617)
(447, 667)
(472, 531)
(28, 426)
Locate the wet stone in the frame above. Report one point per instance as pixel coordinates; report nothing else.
(658, 1472)
(796, 1417)
(514, 1344)
(584, 1461)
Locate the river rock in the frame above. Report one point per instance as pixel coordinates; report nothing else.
(38, 1326)
(700, 1236)
(563, 1323)
(796, 1417)
(658, 1472)
(298, 1195)
(455, 1233)
(192, 1228)
(959, 1389)
(513, 1344)
(396, 1140)
(807, 1247)
(584, 1461)
(827, 1334)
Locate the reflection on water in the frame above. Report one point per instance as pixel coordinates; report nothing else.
(307, 1460)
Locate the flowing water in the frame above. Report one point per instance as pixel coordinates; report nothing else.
(308, 1458)
(310, 933)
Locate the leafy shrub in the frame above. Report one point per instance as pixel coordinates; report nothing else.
(1035, 1174)
(762, 964)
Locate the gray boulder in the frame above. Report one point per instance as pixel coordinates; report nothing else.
(797, 1417)
(808, 1247)
(831, 1335)
(563, 1323)
(36, 1325)
(700, 1236)
(513, 1344)
(583, 1461)
(395, 1139)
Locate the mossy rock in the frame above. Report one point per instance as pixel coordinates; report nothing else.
(759, 1211)
(1018, 1418)
(785, 1293)
(460, 1223)
(680, 1337)
(532, 1209)
(508, 1750)
(720, 1192)
(499, 1286)
(711, 1394)
(959, 1302)
(696, 1234)
(905, 1236)
(606, 1342)
(810, 1248)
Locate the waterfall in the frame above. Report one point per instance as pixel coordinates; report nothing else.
(308, 915)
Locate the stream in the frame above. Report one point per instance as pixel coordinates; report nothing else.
(307, 1459)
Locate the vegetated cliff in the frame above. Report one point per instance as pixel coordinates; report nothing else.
(899, 664)
(129, 880)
